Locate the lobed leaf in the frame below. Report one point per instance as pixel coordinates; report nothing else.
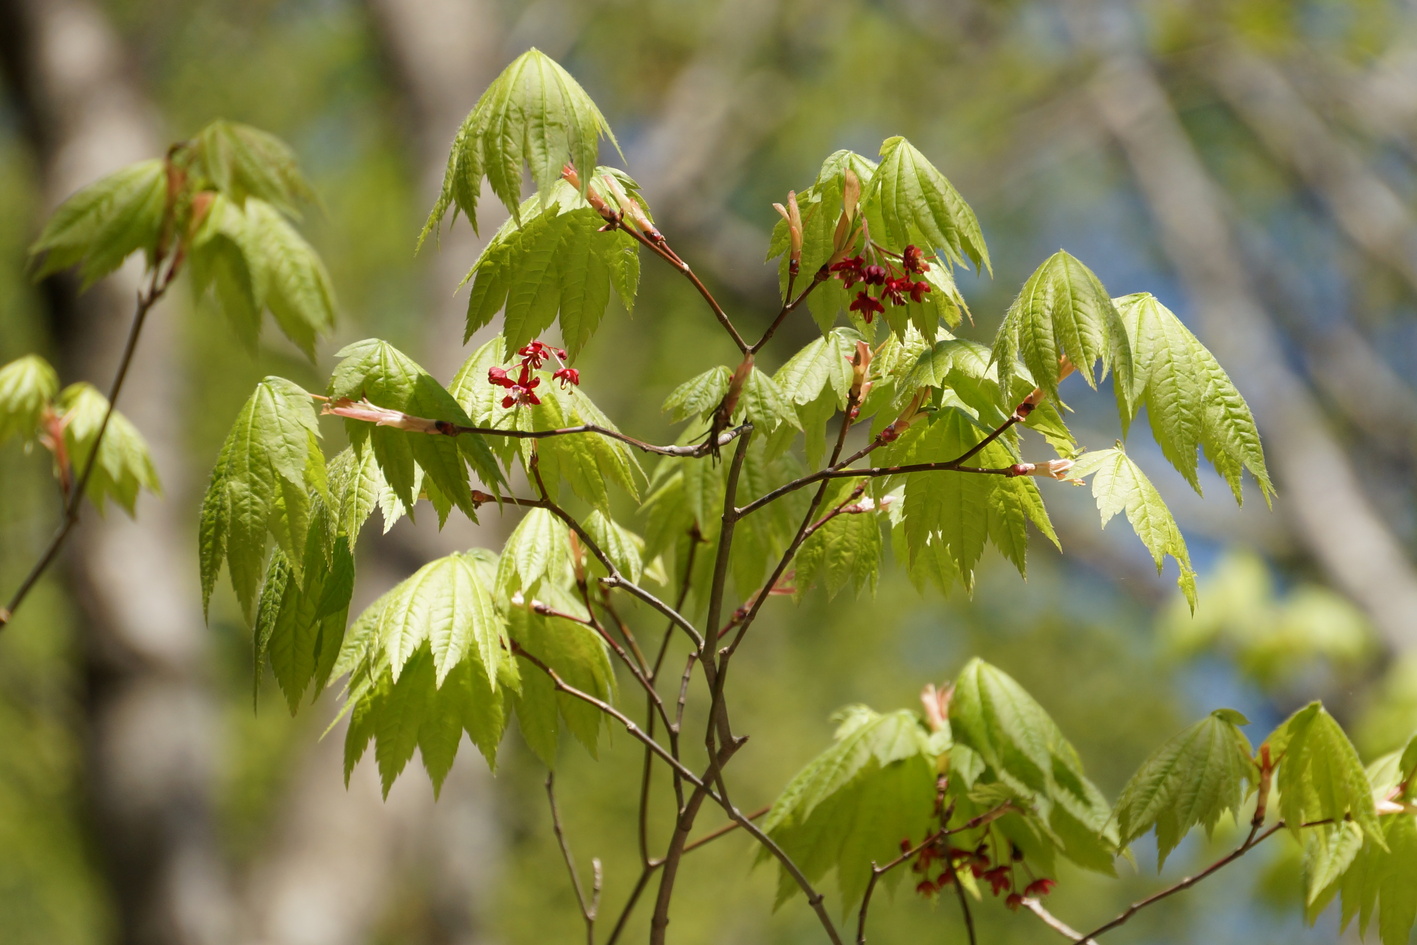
(377, 371)
(917, 205)
(124, 465)
(260, 486)
(1194, 778)
(1064, 310)
(1320, 776)
(533, 115)
(27, 385)
(242, 162)
(850, 805)
(1119, 485)
(104, 223)
(1191, 402)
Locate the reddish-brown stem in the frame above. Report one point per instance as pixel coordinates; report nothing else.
(161, 279)
(662, 250)
(1252, 839)
(698, 450)
(789, 307)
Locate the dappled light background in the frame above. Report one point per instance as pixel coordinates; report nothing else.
(1252, 163)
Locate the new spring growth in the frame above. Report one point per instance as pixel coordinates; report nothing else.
(793, 216)
(912, 413)
(847, 233)
(860, 379)
(1053, 469)
(1026, 407)
(592, 196)
(937, 705)
(362, 409)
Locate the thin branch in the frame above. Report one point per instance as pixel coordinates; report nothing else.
(662, 250)
(1055, 923)
(814, 898)
(877, 872)
(721, 831)
(146, 300)
(588, 909)
(873, 472)
(1253, 839)
(964, 906)
(446, 428)
(789, 307)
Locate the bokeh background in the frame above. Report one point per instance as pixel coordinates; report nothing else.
(1251, 162)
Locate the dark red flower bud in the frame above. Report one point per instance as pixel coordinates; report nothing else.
(867, 306)
(499, 377)
(1013, 901)
(925, 888)
(999, 878)
(917, 291)
(873, 275)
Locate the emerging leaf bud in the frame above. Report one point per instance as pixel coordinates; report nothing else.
(937, 706)
(793, 216)
(908, 416)
(381, 416)
(860, 370)
(1053, 468)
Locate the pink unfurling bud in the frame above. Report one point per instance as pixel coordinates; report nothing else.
(380, 416)
(908, 416)
(937, 705)
(1053, 468)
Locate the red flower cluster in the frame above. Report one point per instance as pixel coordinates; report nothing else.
(953, 859)
(894, 281)
(521, 390)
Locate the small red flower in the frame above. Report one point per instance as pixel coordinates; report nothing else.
(1013, 901)
(499, 377)
(925, 888)
(867, 306)
(913, 258)
(873, 275)
(999, 879)
(849, 270)
(917, 291)
(1039, 887)
(567, 376)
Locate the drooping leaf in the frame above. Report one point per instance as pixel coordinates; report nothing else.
(823, 365)
(1118, 485)
(1064, 310)
(1194, 778)
(698, 395)
(1191, 402)
(851, 805)
(102, 224)
(252, 259)
(537, 551)
(846, 550)
(578, 657)
(415, 712)
(919, 206)
(27, 385)
(388, 378)
(1320, 776)
(1022, 746)
(123, 466)
(552, 260)
(260, 486)
(533, 115)
(300, 620)
(240, 162)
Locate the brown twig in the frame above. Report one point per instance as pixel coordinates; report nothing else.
(662, 250)
(1253, 839)
(789, 307)
(588, 908)
(161, 279)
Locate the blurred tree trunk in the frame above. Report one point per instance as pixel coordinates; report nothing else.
(149, 717)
